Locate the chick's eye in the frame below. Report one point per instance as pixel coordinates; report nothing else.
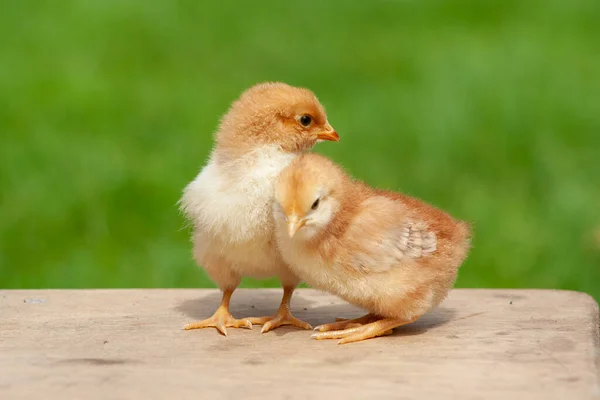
(305, 120)
(315, 205)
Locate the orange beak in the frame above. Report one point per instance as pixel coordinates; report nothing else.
(328, 134)
(294, 224)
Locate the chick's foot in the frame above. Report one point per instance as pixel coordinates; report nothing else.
(371, 330)
(221, 319)
(342, 323)
(283, 317)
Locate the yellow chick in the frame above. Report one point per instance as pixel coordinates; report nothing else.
(229, 203)
(386, 252)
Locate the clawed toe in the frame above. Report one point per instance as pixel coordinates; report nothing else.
(221, 320)
(280, 319)
(381, 327)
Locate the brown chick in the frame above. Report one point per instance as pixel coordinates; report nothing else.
(386, 252)
(229, 202)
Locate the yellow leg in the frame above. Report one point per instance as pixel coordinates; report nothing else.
(374, 329)
(222, 318)
(282, 317)
(346, 323)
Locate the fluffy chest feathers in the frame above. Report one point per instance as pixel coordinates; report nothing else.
(231, 203)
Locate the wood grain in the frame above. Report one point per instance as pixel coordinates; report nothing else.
(129, 344)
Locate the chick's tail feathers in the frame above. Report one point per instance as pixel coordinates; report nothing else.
(464, 236)
(465, 230)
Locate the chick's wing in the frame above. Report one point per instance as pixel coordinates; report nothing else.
(385, 234)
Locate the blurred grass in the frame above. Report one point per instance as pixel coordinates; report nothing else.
(490, 110)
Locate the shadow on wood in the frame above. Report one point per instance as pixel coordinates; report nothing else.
(315, 310)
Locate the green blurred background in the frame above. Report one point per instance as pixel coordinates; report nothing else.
(490, 110)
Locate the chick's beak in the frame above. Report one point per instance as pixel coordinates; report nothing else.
(294, 224)
(328, 134)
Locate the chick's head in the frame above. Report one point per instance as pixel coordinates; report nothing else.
(275, 114)
(307, 196)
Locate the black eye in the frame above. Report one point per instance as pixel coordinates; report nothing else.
(305, 120)
(315, 204)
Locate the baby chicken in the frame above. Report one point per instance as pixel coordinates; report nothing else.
(229, 202)
(386, 252)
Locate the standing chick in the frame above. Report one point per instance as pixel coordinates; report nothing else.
(386, 252)
(230, 201)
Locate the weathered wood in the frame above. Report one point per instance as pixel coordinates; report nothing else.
(129, 344)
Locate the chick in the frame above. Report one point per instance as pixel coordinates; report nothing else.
(229, 202)
(386, 252)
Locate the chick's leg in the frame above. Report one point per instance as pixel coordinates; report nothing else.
(346, 323)
(283, 315)
(222, 318)
(371, 330)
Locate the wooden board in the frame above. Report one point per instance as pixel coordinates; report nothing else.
(129, 344)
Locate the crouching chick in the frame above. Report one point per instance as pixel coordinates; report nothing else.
(386, 252)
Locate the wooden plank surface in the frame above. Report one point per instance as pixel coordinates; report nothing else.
(129, 344)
